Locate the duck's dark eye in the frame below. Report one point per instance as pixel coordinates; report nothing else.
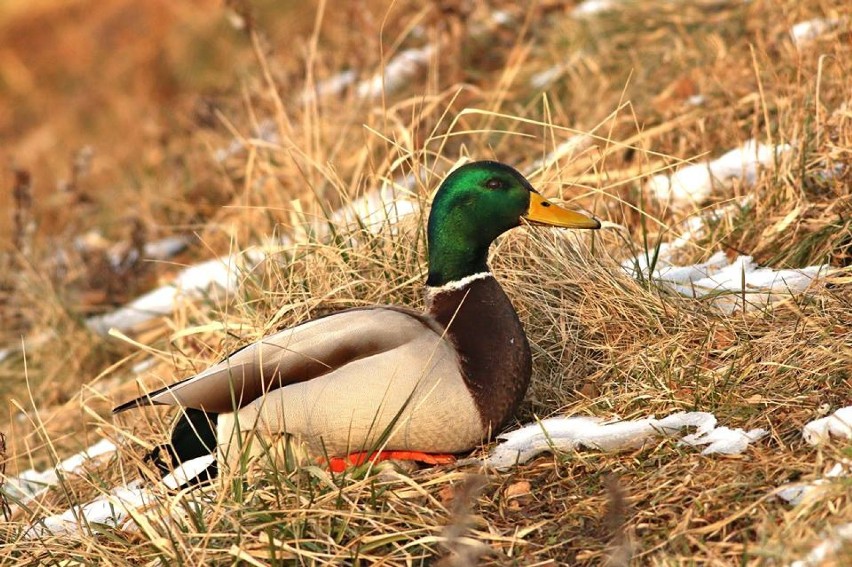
(494, 184)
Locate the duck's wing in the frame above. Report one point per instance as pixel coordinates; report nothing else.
(294, 355)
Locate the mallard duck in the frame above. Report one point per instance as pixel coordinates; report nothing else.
(422, 384)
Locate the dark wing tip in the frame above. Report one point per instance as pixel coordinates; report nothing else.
(135, 403)
(125, 406)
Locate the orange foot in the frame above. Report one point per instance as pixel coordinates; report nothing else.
(340, 464)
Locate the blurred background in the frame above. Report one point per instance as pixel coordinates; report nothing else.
(139, 138)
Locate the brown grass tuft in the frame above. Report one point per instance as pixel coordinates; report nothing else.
(515, 88)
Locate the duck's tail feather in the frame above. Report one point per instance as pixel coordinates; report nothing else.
(193, 436)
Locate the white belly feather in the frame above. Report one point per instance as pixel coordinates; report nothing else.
(412, 397)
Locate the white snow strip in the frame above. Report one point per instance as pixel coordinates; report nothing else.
(144, 365)
(192, 282)
(805, 33)
(543, 79)
(695, 226)
(570, 433)
(796, 493)
(110, 509)
(115, 509)
(591, 8)
(30, 483)
(32, 342)
(729, 283)
(499, 18)
(397, 73)
(376, 210)
(666, 271)
(817, 432)
(121, 256)
(724, 440)
(332, 86)
(833, 543)
(694, 183)
(165, 248)
(155, 303)
(266, 131)
(564, 151)
(838, 424)
(743, 275)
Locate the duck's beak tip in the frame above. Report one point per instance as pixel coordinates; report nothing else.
(542, 211)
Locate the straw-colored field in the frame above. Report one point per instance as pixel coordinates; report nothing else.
(251, 130)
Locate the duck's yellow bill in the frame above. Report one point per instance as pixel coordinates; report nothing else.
(542, 211)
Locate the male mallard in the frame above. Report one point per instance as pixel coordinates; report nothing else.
(386, 377)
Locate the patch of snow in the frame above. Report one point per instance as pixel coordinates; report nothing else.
(377, 209)
(544, 79)
(833, 543)
(804, 33)
(26, 485)
(796, 493)
(728, 284)
(266, 131)
(667, 272)
(32, 342)
(694, 183)
(155, 303)
(30, 483)
(397, 73)
(502, 18)
(374, 211)
(565, 150)
(144, 365)
(110, 509)
(332, 86)
(829, 173)
(816, 432)
(192, 282)
(165, 248)
(120, 254)
(570, 433)
(115, 509)
(695, 226)
(838, 424)
(591, 8)
(724, 440)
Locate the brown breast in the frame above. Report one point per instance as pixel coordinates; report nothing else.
(495, 355)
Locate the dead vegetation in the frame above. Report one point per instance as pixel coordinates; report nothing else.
(282, 147)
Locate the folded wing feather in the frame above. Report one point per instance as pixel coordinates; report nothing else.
(294, 355)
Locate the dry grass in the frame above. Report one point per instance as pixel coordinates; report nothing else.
(604, 344)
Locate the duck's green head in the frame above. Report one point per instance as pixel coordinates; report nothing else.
(475, 204)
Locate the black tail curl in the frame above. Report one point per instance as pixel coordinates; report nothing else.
(193, 436)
